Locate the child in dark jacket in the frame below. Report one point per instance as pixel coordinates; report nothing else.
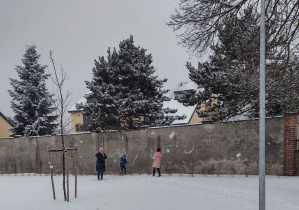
(123, 162)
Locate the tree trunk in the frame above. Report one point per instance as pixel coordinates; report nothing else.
(63, 172)
(63, 163)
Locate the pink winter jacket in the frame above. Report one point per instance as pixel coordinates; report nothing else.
(157, 160)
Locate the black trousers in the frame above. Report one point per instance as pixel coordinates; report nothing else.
(154, 171)
(123, 169)
(100, 174)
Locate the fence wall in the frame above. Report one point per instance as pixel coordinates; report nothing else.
(224, 148)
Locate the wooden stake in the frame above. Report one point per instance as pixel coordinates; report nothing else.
(76, 169)
(67, 177)
(51, 172)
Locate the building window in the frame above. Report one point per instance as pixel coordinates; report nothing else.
(81, 128)
(78, 127)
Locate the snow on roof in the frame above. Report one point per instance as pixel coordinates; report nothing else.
(181, 110)
(169, 94)
(185, 86)
(81, 101)
(200, 90)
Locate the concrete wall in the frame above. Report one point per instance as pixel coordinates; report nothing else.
(225, 148)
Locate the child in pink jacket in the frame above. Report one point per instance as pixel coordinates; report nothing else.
(157, 162)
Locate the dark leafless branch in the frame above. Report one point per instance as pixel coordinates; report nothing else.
(61, 104)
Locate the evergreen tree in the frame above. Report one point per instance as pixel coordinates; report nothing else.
(124, 93)
(31, 99)
(232, 73)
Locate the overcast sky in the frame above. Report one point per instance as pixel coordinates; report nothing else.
(80, 31)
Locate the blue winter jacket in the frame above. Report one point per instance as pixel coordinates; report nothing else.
(123, 160)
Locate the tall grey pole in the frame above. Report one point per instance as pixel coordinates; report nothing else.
(262, 203)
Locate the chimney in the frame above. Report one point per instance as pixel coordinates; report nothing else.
(200, 67)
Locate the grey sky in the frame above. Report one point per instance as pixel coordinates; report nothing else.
(80, 31)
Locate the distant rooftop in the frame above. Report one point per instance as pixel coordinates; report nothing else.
(181, 110)
(82, 101)
(5, 118)
(185, 86)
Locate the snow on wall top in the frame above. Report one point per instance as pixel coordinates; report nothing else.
(238, 118)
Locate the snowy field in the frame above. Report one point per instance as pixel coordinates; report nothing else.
(144, 192)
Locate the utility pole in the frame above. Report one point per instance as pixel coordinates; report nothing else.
(262, 203)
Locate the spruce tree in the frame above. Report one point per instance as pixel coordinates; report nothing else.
(124, 93)
(31, 100)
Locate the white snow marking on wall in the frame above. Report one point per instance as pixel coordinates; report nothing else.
(185, 152)
(135, 159)
(172, 135)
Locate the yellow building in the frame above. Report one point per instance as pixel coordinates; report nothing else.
(4, 127)
(77, 117)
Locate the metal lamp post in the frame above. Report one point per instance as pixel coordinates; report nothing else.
(262, 112)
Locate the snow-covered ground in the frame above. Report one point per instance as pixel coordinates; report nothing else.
(144, 192)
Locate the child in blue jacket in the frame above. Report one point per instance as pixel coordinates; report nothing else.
(123, 162)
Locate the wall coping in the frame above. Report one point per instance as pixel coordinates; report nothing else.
(152, 128)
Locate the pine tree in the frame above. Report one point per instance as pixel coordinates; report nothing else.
(124, 93)
(232, 73)
(31, 99)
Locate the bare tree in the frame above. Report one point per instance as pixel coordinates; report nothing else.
(198, 21)
(61, 103)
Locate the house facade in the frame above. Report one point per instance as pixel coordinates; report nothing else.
(79, 122)
(4, 126)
